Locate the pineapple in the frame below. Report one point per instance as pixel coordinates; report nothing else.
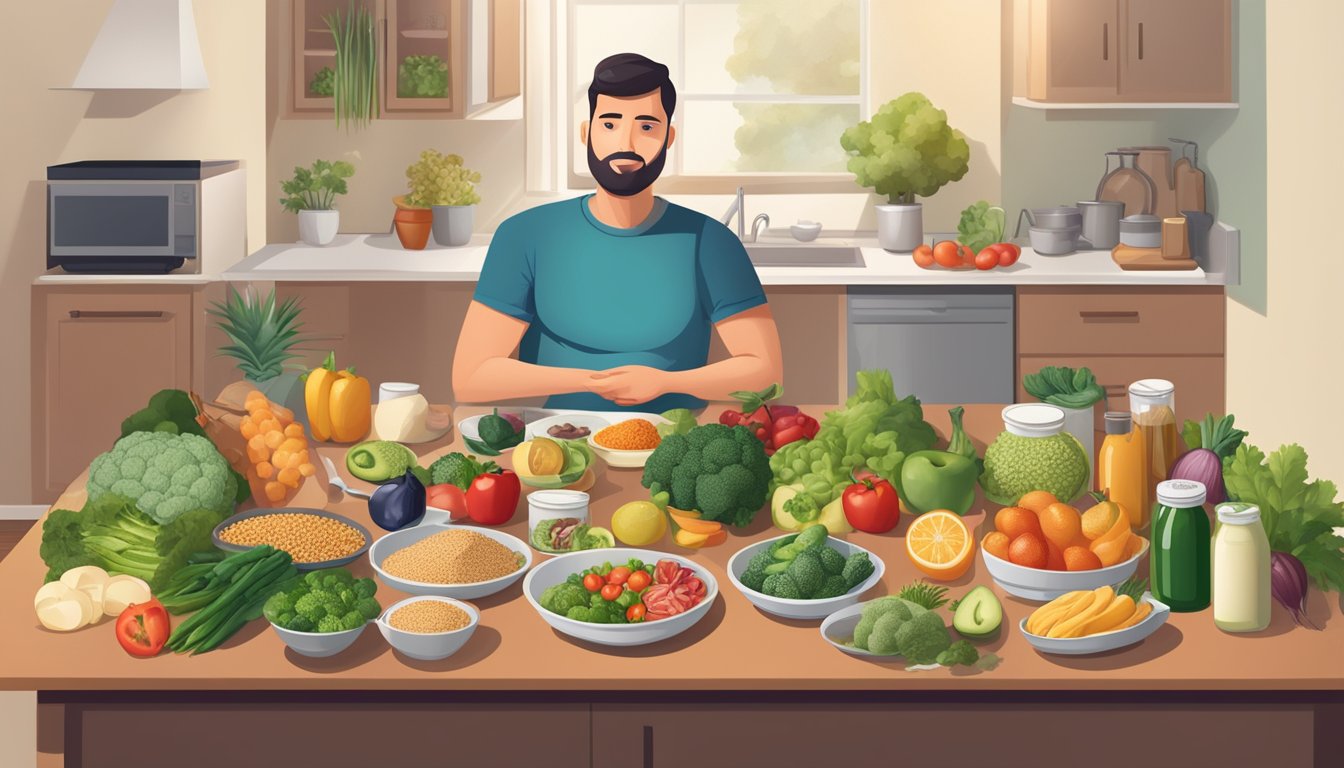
(264, 335)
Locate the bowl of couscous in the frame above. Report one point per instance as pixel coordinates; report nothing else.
(429, 628)
(628, 442)
(458, 561)
(315, 538)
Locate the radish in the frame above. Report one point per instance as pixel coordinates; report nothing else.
(1210, 443)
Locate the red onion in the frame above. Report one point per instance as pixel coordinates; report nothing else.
(1202, 466)
(1288, 584)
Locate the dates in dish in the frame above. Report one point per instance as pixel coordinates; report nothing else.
(625, 594)
(567, 431)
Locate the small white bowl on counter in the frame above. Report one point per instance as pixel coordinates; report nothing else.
(428, 646)
(408, 536)
(805, 231)
(1105, 641)
(620, 458)
(319, 645)
(788, 608)
(1042, 585)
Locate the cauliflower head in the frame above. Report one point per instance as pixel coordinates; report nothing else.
(166, 475)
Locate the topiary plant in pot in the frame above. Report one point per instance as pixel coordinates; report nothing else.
(906, 150)
(441, 182)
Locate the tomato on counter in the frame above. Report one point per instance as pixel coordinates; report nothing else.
(143, 628)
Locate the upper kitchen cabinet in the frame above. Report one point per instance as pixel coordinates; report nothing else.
(433, 58)
(1129, 51)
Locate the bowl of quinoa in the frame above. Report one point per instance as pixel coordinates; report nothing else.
(429, 628)
(315, 538)
(458, 561)
(628, 443)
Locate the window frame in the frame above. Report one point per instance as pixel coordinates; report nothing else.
(673, 180)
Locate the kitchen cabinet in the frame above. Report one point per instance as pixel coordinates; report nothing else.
(98, 355)
(417, 30)
(1129, 51)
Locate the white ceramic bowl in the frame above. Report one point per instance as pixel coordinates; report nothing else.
(805, 231)
(1040, 584)
(318, 644)
(802, 609)
(467, 427)
(838, 629)
(408, 536)
(557, 569)
(1106, 641)
(593, 421)
(428, 646)
(616, 457)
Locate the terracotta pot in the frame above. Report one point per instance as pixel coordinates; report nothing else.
(413, 227)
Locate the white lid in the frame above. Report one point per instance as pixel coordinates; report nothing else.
(392, 390)
(1152, 388)
(1033, 420)
(1181, 494)
(1238, 514)
(558, 499)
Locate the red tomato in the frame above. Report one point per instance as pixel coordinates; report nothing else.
(143, 628)
(1008, 254)
(947, 254)
(612, 591)
(493, 497)
(448, 497)
(636, 612)
(967, 255)
(924, 256)
(592, 582)
(618, 575)
(638, 581)
(987, 258)
(871, 505)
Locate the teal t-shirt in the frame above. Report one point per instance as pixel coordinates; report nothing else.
(598, 297)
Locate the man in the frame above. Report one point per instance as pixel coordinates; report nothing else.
(609, 297)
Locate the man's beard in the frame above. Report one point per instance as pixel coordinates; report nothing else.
(630, 182)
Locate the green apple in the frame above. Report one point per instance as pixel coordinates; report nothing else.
(938, 480)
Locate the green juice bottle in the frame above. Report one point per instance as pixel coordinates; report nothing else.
(1181, 568)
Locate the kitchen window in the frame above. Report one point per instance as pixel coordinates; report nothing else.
(764, 87)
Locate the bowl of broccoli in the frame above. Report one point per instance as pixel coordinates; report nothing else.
(806, 575)
(324, 613)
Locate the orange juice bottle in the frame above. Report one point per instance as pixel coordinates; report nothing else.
(1122, 468)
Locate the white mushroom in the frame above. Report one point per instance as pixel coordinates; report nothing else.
(68, 612)
(91, 580)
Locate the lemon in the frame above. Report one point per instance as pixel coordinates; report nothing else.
(638, 523)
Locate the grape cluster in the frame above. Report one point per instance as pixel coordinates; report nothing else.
(439, 179)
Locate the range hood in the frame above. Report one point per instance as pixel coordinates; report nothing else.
(145, 45)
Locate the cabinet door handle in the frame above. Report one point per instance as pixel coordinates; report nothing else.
(1099, 316)
(1140, 41)
(1105, 41)
(102, 314)
(648, 746)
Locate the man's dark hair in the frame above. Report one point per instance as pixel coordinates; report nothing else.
(630, 74)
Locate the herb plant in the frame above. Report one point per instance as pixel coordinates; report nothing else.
(355, 83)
(439, 179)
(422, 77)
(316, 188)
(324, 82)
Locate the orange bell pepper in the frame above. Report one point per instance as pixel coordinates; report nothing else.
(338, 403)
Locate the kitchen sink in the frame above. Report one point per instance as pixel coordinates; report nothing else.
(817, 256)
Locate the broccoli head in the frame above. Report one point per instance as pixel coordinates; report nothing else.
(365, 588)
(368, 608)
(831, 560)
(352, 620)
(456, 468)
(276, 606)
(922, 638)
(858, 567)
(886, 629)
(960, 652)
(311, 607)
(62, 544)
(781, 585)
(301, 623)
(874, 610)
(579, 613)
(331, 624)
(754, 576)
(833, 586)
(719, 470)
(807, 573)
(563, 597)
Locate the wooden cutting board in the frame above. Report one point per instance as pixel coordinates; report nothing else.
(1131, 258)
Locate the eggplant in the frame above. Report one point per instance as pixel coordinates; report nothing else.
(398, 503)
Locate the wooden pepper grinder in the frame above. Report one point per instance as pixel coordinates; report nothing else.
(1175, 240)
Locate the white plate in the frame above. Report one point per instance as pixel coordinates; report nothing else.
(838, 628)
(802, 609)
(625, 459)
(591, 419)
(1043, 586)
(557, 569)
(1106, 641)
(467, 427)
(404, 538)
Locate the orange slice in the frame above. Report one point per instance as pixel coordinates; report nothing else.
(697, 540)
(940, 544)
(694, 524)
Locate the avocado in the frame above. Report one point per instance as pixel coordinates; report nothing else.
(379, 461)
(978, 615)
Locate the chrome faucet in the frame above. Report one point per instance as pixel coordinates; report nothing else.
(737, 209)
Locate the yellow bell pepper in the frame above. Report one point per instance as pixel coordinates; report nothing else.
(338, 403)
(317, 398)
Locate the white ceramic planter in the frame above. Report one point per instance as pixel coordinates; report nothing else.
(453, 223)
(900, 227)
(319, 227)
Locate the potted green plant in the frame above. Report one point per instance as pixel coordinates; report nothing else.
(311, 193)
(412, 222)
(906, 149)
(422, 77)
(441, 182)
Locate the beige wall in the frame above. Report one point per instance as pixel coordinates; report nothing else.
(43, 44)
(1284, 366)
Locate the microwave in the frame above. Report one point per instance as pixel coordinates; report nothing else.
(146, 216)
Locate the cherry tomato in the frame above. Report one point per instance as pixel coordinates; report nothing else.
(987, 258)
(618, 575)
(592, 582)
(924, 256)
(635, 612)
(947, 254)
(967, 255)
(612, 591)
(638, 581)
(1008, 254)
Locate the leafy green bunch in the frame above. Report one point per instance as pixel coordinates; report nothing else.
(422, 77)
(906, 149)
(439, 179)
(316, 188)
(323, 83)
(981, 226)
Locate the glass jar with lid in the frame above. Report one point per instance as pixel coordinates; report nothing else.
(1180, 560)
(1034, 453)
(1152, 408)
(1240, 570)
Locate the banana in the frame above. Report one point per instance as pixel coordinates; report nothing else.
(1044, 617)
(1121, 608)
(1139, 615)
(1101, 598)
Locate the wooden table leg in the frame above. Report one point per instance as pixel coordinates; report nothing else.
(51, 736)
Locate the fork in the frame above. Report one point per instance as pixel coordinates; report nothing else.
(334, 479)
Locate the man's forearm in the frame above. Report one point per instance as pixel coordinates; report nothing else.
(716, 381)
(504, 378)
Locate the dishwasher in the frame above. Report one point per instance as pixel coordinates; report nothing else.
(941, 345)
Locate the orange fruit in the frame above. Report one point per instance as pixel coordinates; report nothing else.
(1112, 550)
(996, 544)
(1054, 557)
(1037, 501)
(1061, 524)
(947, 254)
(1029, 550)
(940, 544)
(1080, 559)
(1016, 521)
(1099, 519)
(1135, 546)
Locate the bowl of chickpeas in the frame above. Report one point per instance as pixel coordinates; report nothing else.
(429, 627)
(314, 538)
(629, 442)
